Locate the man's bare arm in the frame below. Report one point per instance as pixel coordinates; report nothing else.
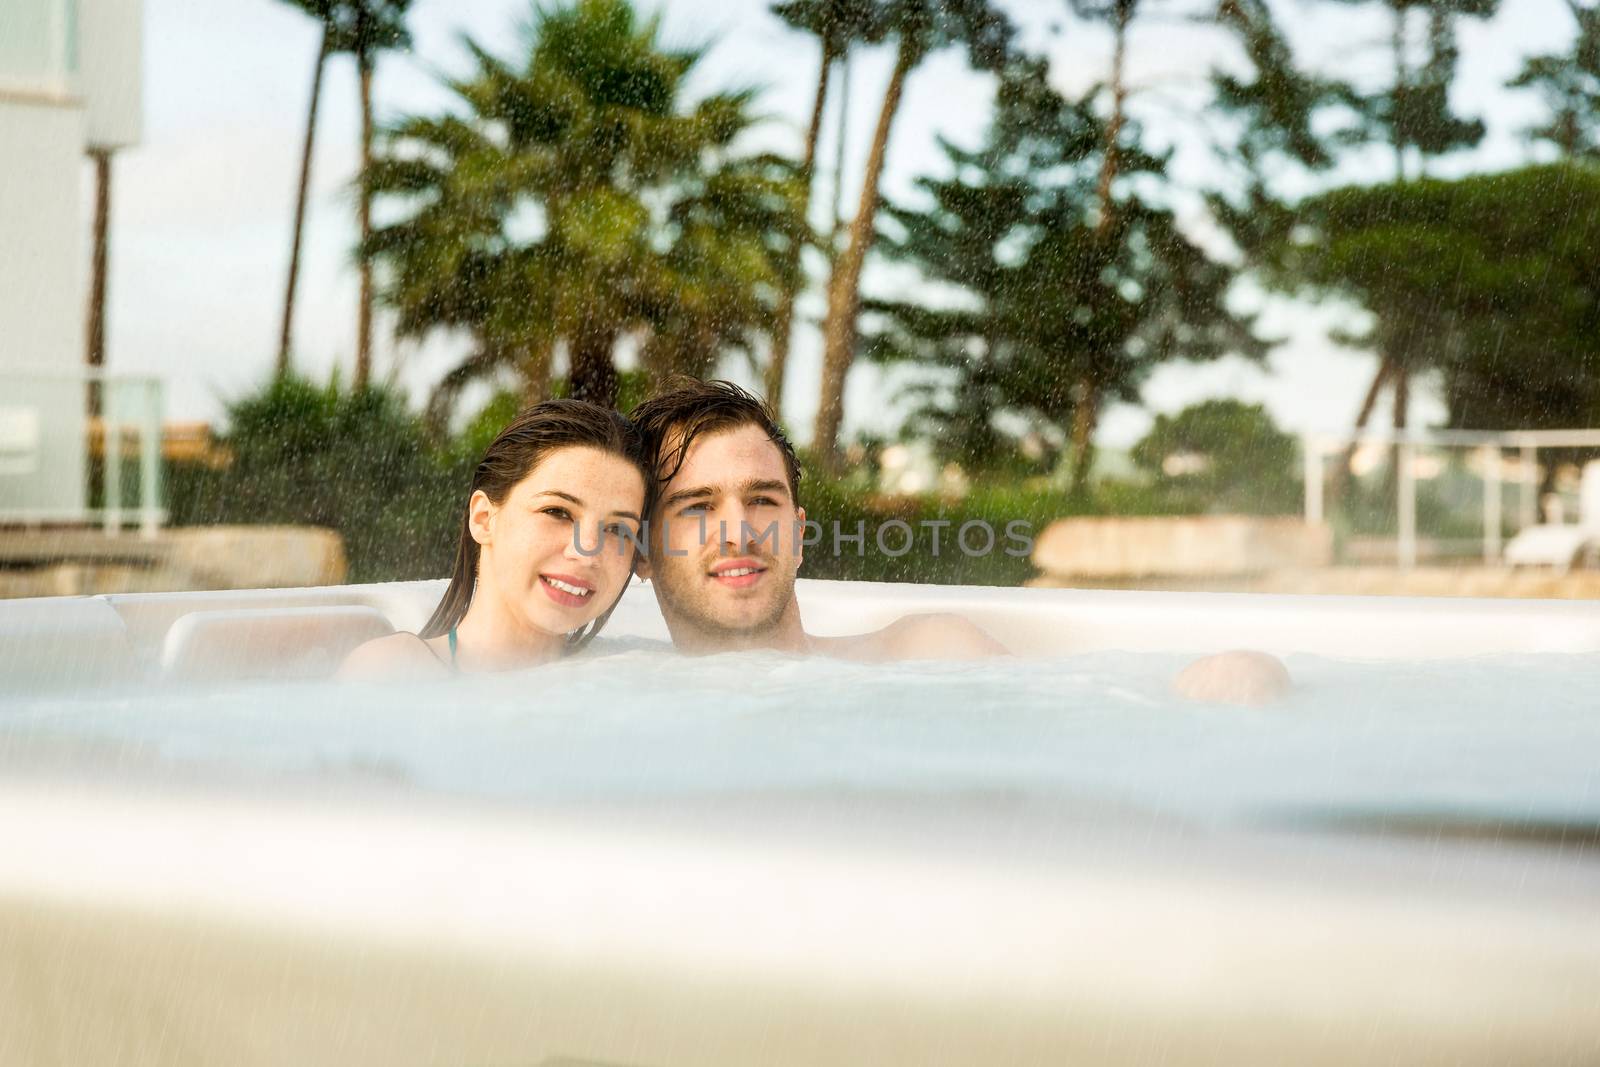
(937, 636)
(1245, 678)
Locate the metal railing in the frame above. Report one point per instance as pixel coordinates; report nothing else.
(1492, 447)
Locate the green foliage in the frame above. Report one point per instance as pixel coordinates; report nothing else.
(1570, 85)
(573, 195)
(1290, 115)
(1280, 105)
(1413, 111)
(1223, 456)
(355, 462)
(1049, 300)
(1492, 280)
(838, 24)
(360, 464)
(480, 431)
(998, 502)
(361, 27)
(925, 26)
(829, 500)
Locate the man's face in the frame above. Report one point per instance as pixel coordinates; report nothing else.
(724, 539)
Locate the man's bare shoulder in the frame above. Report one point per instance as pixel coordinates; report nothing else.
(940, 635)
(394, 657)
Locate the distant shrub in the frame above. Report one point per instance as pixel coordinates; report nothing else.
(362, 464)
(1222, 456)
(1034, 503)
(358, 462)
(633, 387)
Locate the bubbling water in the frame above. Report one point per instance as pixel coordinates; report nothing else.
(1506, 738)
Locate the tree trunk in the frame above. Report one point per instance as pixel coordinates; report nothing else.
(593, 376)
(1085, 415)
(1086, 404)
(1121, 14)
(783, 325)
(1402, 398)
(1401, 78)
(300, 209)
(1341, 472)
(364, 211)
(1402, 402)
(96, 355)
(838, 157)
(443, 398)
(535, 367)
(844, 288)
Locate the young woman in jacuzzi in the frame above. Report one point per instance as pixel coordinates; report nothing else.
(562, 477)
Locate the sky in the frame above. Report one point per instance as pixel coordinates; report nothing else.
(202, 207)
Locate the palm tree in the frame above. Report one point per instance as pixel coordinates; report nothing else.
(321, 10)
(919, 27)
(363, 28)
(375, 26)
(99, 256)
(837, 24)
(572, 199)
(730, 270)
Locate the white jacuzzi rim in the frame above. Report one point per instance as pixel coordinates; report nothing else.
(1031, 621)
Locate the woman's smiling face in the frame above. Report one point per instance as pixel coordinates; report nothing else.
(539, 557)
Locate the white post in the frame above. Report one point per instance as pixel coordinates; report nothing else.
(150, 461)
(1530, 488)
(1311, 446)
(1493, 506)
(111, 463)
(58, 47)
(1408, 506)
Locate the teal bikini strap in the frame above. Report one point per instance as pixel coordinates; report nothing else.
(453, 649)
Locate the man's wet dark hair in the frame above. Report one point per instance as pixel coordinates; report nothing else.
(671, 421)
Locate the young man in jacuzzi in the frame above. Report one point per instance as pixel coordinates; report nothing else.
(724, 550)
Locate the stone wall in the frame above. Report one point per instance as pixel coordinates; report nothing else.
(1245, 554)
(1472, 581)
(1185, 545)
(79, 562)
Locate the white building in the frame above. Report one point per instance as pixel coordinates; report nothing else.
(69, 84)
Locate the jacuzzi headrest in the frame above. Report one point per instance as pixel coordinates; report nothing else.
(266, 642)
(47, 642)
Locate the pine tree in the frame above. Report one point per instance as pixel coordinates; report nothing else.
(1281, 111)
(1057, 308)
(1570, 85)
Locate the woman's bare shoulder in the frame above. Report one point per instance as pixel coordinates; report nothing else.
(394, 657)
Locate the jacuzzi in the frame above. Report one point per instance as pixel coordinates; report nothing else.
(208, 855)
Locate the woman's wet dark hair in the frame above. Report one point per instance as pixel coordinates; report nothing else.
(525, 442)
